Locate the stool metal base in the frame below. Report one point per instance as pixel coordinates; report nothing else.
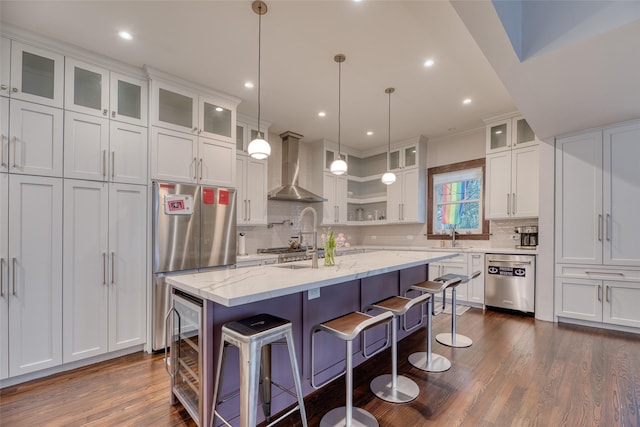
(447, 339)
(405, 391)
(438, 363)
(337, 417)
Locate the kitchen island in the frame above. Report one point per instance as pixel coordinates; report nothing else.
(306, 297)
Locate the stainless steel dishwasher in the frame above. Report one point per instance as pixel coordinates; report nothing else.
(510, 282)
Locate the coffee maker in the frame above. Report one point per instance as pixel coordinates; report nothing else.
(528, 237)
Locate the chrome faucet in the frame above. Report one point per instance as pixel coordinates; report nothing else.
(314, 249)
(453, 235)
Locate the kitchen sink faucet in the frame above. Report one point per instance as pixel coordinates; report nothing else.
(453, 235)
(314, 249)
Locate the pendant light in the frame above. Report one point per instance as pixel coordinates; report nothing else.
(259, 148)
(339, 166)
(389, 177)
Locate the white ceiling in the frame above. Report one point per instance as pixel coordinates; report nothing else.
(214, 43)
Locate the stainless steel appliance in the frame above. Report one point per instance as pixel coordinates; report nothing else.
(510, 282)
(528, 236)
(288, 254)
(194, 228)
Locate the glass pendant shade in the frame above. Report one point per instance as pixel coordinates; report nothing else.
(259, 149)
(388, 178)
(338, 167)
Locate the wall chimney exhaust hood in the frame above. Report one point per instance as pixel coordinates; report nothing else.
(290, 191)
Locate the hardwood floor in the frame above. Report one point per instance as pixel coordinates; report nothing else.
(519, 372)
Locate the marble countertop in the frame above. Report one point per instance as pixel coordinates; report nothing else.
(233, 287)
(462, 248)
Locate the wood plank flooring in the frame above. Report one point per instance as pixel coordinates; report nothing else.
(519, 372)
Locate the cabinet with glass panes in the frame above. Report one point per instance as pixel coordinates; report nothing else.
(366, 194)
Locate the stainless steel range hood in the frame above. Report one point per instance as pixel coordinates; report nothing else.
(290, 191)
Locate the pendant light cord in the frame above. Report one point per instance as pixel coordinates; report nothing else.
(339, 103)
(259, 62)
(389, 136)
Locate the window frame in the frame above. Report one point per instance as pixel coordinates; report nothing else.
(456, 167)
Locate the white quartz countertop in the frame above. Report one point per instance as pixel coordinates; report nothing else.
(233, 287)
(462, 248)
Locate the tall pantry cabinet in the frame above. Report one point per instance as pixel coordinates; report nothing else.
(31, 213)
(597, 251)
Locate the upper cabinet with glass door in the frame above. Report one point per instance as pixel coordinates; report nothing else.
(173, 108)
(37, 75)
(217, 119)
(93, 90)
(404, 157)
(506, 133)
(330, 155)
(247, 131)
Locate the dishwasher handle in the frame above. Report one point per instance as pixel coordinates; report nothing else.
(509, 262)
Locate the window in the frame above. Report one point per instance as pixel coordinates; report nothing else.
(456, 200)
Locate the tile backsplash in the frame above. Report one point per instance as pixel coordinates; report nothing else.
(284, 220)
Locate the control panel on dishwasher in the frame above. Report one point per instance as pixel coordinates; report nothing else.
(510, 282)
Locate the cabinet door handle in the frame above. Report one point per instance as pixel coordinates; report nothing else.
(3, 87)
(607, 226)
(105, 112)
(14, 89)
(600, 227)
(200, 168)
(113, 165)
(513, 203)
(15, 148)
(607, 293)
(2, 163)
(249, 214)
(167, 341)
(195, 168)
(104, 268)
(113, 114)
(104, 164)
(399, 211)
(195, 130)
(15, 273)
(1, 277)
(599, 292)
(113, 268)
(508, 204)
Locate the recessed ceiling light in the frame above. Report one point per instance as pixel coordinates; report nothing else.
(467, 101)
(219, 109)
(498, 132)
(322, 114)
(369, 132)
(125, 35)
(248, 85)
(429, 62)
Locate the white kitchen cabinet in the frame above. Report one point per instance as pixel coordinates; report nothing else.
(597, 197)
(404, 157)
(34, 282)
(251, 181)
(4, 277)
(247, 131)
(35, 139)
(475, 287)
(456, 265)
(173, 108)
(605, 300)
(103, 150)
(5, 66)
(512, 188)
(507, 133)
(174, 155)
(217, 165)
(406, 197)
(94, 90)
(181, 157)
(217, 118)
(104, 268)
(37, 75)
(331, 154)
(334, 210)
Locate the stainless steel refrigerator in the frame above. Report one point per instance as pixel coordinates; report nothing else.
(194, 228)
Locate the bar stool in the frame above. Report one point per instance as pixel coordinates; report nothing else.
(252, 335)
(452, 339)
(347, 328)
(393, 387)
(429, 361)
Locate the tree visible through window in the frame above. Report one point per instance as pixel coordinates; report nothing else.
(456, 200)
